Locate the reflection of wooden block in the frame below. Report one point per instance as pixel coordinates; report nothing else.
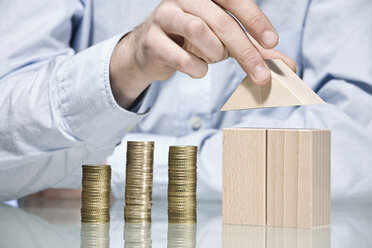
(285, 89)
(244, 172)
(298, 177)
(238, 236)
(297, 237)
(276, 177)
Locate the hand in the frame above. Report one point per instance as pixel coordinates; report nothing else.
(62, 194)
(186, 36)
(65, 194)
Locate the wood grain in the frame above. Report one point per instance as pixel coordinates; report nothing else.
(244, 173)
(298, 177)
(276, 177)
(321, 188)
(285, 89)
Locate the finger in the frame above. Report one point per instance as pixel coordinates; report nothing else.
(205, 43)
(233, 37)
(254, 20)
(191, 48)
(275, 54)
(163, 49)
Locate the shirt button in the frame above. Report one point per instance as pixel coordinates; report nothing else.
(129, 128)
(196, 122)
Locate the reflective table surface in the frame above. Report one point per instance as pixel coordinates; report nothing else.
(56, 223)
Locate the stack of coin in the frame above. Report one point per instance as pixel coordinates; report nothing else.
(95, 235)
(95, 207)
(182, 235)
(137, 235)
(138, 183)
(182, 184)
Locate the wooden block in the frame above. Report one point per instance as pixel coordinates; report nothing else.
(244, 173)
(285, 89)
(298, 177)
(276, 177)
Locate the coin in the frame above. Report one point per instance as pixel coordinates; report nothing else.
(96, 193)
(182, 179)
(139, 181)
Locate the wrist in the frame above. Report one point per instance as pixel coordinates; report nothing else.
(126, 79)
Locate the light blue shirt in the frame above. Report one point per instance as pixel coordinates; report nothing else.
(57, 110)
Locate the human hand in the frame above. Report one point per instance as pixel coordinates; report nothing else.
(186, 36)
(58, 194)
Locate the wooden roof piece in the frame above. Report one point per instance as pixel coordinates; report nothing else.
(284, 89)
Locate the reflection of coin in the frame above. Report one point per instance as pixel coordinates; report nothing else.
(137, 235)
(95, 235)
(139, 181)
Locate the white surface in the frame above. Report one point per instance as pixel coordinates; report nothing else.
(57, 224)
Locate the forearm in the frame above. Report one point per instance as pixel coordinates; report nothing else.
(126, 79)
(64, 103)
(64, 110)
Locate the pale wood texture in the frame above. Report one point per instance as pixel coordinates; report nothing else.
(298, 177)
(285, 89)
(276, 177)
(244, 172)
(321, 188)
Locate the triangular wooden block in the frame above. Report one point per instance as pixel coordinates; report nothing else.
(285, 89)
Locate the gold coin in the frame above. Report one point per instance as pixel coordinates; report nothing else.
(96, 193)
(138, 181)
(182, 179)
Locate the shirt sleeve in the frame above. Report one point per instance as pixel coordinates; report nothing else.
(335, 61)
(336, 56)
(53, 103)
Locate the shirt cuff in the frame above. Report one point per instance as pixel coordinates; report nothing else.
(85, 98)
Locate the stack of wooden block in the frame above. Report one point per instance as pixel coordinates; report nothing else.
(276, 177)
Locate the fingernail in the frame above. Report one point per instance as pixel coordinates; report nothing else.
(269, 38)
(260, 73)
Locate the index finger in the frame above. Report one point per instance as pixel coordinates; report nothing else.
(232, 36)
(253, 19)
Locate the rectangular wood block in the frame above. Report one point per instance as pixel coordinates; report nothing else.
(298, 177)
(288, 168)
(243, 180)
